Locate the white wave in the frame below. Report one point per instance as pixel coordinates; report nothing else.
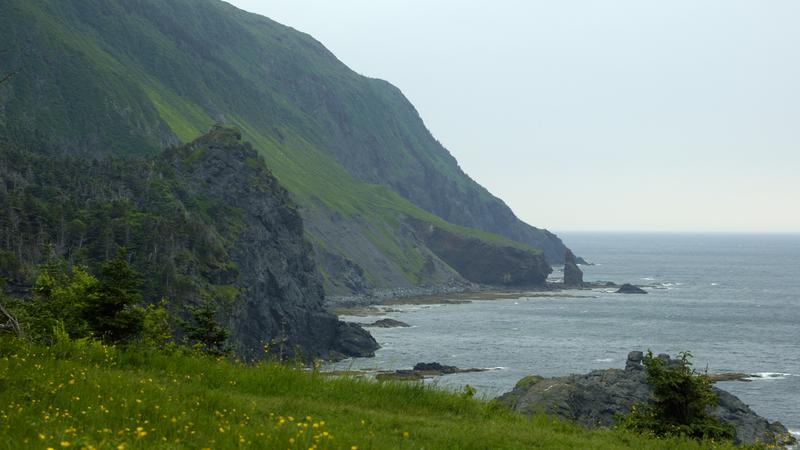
(769, 376)
(604, 360)
(795, 433)
(648, 279)
(495, 368)
(715, 284)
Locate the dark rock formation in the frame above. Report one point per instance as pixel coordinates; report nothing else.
(423, 370)
(630, 289)
(573, 275)
(281, 296)
(593, 399)
(387, 323)
(435, 367)
(482, 262)
(352, 340)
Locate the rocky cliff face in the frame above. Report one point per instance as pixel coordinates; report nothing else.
(281, 302)
(481, 262)
(593, 400)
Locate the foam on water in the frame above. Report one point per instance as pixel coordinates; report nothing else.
(795, 433)
(769, 376)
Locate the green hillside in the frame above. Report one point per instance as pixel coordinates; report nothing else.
(118, 77)
(90, 396)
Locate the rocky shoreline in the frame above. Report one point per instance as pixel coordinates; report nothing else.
(381, 296)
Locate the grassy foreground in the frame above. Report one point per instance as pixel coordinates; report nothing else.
(82, 394)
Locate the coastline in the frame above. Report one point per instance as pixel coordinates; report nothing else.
(368, 303)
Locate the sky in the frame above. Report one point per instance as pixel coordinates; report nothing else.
(594, 115)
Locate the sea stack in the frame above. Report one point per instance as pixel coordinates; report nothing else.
(573, 275)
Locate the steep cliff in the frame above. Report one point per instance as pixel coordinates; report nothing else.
(203, 222)
(280, 289)
(482, 263)
(118, 77)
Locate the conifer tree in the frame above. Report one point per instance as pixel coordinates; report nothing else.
(111, 310)
(204, 330)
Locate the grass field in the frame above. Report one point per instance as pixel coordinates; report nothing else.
(85, 395)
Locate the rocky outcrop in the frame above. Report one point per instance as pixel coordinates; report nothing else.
(480, 261)
(387, 323)
(280, 301)
(573, 275)
(423, 370)
(630, 289)
(593, 399)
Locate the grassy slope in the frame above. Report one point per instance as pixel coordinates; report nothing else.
(90, 396)
(134, 56)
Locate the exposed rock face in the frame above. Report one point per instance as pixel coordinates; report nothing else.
(630, 289)
(573, 275)
(482, 262)
(281, 292)
(593, 400)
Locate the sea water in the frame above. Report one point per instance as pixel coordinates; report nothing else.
(732, 300)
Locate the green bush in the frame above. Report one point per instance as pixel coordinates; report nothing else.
(682, 400)
(59, 298)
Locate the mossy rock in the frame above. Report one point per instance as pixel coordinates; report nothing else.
(527, 381)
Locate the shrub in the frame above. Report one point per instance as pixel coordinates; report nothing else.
(682, 400)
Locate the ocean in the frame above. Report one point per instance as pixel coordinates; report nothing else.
(732, 300)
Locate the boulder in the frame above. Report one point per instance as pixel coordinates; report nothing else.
(630, 289)
(352, 340)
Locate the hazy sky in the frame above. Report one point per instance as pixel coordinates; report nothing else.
(594, 115)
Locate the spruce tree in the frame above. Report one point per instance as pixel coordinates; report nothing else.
(111, 310)
(204, 330)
